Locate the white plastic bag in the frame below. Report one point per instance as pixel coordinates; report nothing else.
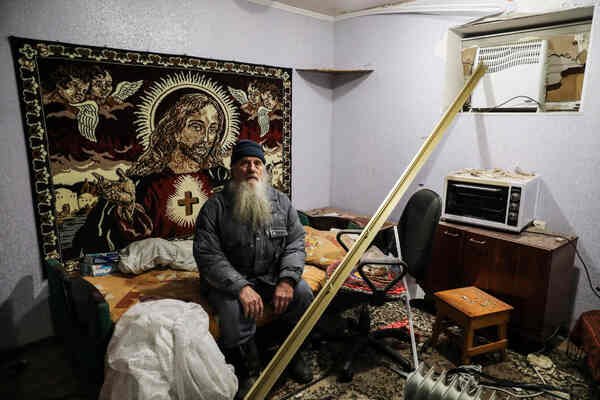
(148, 253)
(163, 350)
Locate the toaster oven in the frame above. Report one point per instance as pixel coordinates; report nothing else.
(491, 199)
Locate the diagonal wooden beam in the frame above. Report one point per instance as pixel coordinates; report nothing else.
(295, 339)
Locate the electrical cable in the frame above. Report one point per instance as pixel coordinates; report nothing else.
(520, 396)
(466, 375)
(516, 97)
(547, 340)
(585, 267)
(506, 383)
(395, 370)
(501, 385)
(523, 396)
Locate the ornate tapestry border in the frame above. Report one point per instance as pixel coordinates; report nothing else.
(26, 52)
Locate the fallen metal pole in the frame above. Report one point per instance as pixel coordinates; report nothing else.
(281, 359)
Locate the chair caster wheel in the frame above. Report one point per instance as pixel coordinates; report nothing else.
(346, 375)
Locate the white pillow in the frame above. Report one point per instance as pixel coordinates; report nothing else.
(149, 253)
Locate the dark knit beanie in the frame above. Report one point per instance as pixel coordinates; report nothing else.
(247, 148)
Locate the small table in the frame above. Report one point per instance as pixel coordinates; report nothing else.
(326, 218)
(472, 309)
(335, 217)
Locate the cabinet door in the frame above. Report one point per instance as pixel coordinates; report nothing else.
(505, 276)
(446, 260)
(478, 256)
(530, 289)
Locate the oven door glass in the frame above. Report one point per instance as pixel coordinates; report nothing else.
(487, 202)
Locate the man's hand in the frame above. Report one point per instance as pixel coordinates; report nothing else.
(251, 302)
(284, 293)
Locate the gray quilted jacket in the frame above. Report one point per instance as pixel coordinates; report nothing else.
(230, 255)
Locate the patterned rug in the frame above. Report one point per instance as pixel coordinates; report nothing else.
(377, 377)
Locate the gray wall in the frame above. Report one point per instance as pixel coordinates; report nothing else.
(221, 29)
(381, 120)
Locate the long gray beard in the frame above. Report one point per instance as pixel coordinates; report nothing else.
(251, 205)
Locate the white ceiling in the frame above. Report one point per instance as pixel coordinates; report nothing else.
(335, 8)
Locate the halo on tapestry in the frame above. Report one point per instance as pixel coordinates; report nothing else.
(125, 145)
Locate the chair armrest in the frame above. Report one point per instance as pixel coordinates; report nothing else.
(382, 261)
(384, 240)
(342, 232)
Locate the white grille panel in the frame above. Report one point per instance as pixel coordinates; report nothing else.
(503, 57)
(514, 69)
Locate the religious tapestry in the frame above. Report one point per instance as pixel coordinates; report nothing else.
(126, 145)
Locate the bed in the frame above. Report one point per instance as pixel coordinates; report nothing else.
(85, 309)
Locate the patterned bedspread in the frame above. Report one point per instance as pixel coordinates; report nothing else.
(122, 291)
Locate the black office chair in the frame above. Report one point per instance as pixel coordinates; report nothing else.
(376, 281)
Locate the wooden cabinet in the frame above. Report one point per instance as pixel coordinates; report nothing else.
(532, 272)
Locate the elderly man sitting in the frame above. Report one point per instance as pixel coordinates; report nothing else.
(249, 247)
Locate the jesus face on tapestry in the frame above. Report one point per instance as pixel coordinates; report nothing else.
(187, 138)
(198, 137)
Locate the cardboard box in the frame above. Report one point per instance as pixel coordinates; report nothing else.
(101, 258)
(97, 269)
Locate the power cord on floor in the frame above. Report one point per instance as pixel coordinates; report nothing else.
(395, 370)
(517, 395)
(506, 384)
(546, 341)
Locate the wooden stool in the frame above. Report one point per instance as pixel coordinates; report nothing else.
(472, 309)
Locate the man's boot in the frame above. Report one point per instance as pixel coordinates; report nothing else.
(246, 361)
(300, 368)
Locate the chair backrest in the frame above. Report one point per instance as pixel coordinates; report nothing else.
(416, 229)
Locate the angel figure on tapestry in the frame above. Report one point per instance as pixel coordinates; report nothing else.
(262, 102)
(275, 165)
(85, 93)
(161, 194)
(101, 92)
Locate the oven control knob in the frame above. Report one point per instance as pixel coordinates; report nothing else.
(514, 206)
(512, 216)
(515, 196)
